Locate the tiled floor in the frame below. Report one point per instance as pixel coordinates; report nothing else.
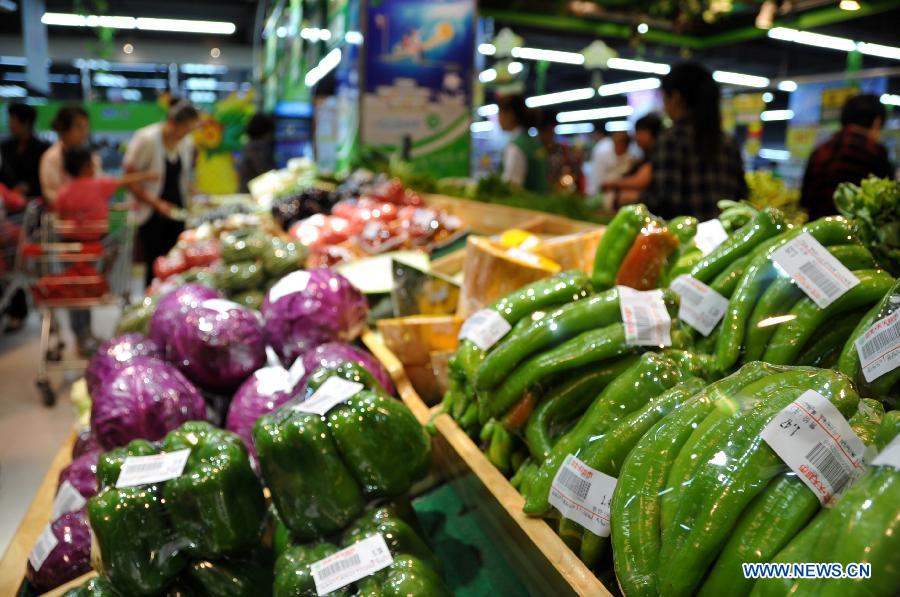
(30, 433)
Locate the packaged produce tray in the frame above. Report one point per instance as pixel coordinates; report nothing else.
(545, 563)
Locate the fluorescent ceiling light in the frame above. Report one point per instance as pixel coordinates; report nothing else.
(12, 91)
(879, 50)
(132, 95)
(595, 114)
(488, 110)
(191, 68)
(770, 115)
(109, 80)
(614, 126)
(628, 86)
(143, 23)
(577, 128)
(486, 76)
(643, 28)
(560, 97)
(767, 97)
(484, 126)
(13, 61)
(202, 83)
(789, 86)
(514, 68)
(890, 99)
(849, 5)
(354, 38)
(638, 66)
(318, 72)
(812, 39)
(487, 49)
(548, 55)
(203, 97)
(774, 154)
(729, 78)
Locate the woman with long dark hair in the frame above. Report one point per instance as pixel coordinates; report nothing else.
(694, 163)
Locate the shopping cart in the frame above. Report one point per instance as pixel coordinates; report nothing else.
(73, 266)
(12, 279)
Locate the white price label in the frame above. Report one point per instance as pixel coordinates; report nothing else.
(647, 323)
(297, 371)
(701, 307)
(358, 561)
(879, 347)
(524, 256)
(710, 234)
(816, 271)
(143, 470)
(890, 456)
(68, 499)
(812, 437)
(43, 547)
(272, 380)
(291, 283)
(332, 392)
(583, 494)
(485, 328)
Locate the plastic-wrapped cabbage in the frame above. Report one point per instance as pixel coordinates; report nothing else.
(218, 344)
(308, 308)
(264, 391)
(116, 353)
(175, 304)
(244, 275)
(334, 353)
(282, 257)
(69, 558)
(82, 473)
(146, 399)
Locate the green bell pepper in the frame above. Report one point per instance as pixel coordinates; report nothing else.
(217, 504)
(399, 535)
(99, 586)
(349, 370)
(231, 578)
(292, 574)
(407, 575)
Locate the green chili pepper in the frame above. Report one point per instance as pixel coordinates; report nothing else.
(615, 243)
(766, 224)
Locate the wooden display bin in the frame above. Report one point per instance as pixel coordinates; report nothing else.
(547, 564)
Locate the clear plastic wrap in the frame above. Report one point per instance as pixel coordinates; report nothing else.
(173, 306)
(306, 309)
(146, 399)
(82, 473)
(333, 353)
(116, 353)
(68, 559)
(218, 344)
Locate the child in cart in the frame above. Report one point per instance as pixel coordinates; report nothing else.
(85, 200)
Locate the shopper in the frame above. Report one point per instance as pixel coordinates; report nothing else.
(850, 155)
(694, 164)
(20, 155)
(166, 149)
(524, 158)
(73, 128)
(611, 161)
(628, 189)
(258, 156)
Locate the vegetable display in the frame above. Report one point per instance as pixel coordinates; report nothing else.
(116, 353)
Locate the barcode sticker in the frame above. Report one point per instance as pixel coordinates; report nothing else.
(43, 547)
(812, 437)
(816, 271)
(68, 499)
(583, 494)
(701, 307)
(351, 564)
(647, 323)
(297, 371)
(710, 234)
(485, 328)
(142, 470)
(291, 283)
(890, 456)
(879, 347)
(332, 392)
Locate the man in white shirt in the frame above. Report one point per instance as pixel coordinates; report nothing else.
(610, 160)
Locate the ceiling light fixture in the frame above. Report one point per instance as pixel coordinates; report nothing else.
(812, 39)
(354, 38)
(849, 5)
(729, 78)
(484, 126)
(643, 28)
(787, 85)
(629, 86)
(774, 154)
(487, 49)
(514, 68)
(325, 66)
(772, 115)
(560, 97)
(548, 55)
(128, 49)
(215, 52)
(767, 97)
(595, 114)
(890, 99)
(638, 66)
(486, 76)
(63, 19)
(615, 126)
(577, 128)
(488, 110)
(878, 50)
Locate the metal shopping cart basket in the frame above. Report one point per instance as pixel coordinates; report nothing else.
(73, 266)
(12, 279)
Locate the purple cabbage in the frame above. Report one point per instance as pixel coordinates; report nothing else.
(333, 353)
(84, 443)
(115, 354)
(308, 308)
(264, 391)
(82, 473)
(173, 306)
(218, 344)
(70, 558)
(146, 399)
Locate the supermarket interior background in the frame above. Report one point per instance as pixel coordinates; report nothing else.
(424, 198)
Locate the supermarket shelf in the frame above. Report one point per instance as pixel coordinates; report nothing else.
(547, 564)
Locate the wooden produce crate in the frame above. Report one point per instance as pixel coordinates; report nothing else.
(15, 560)
(547, 564)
